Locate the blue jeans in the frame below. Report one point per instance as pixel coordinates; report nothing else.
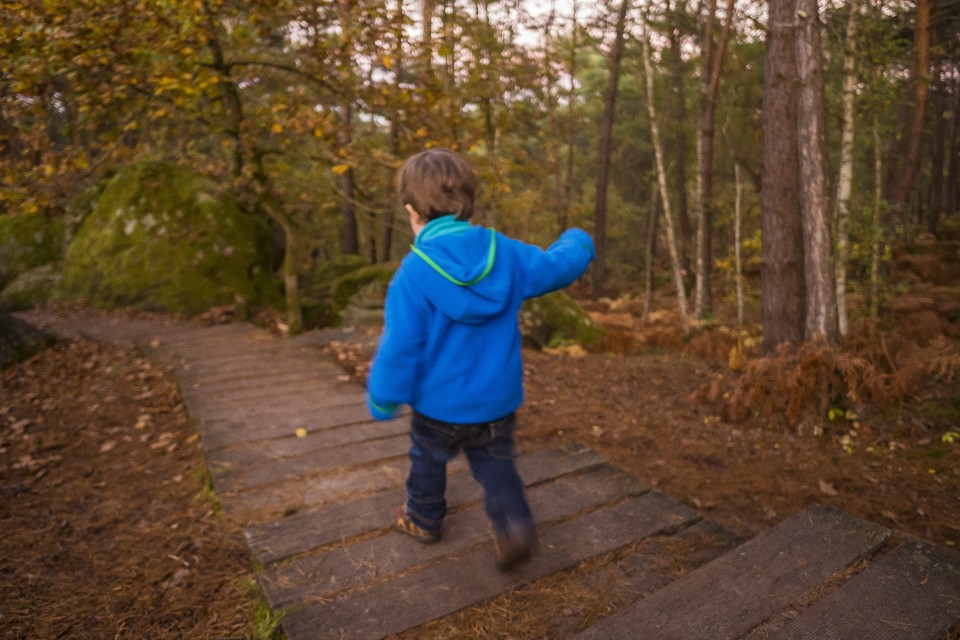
(490, 451)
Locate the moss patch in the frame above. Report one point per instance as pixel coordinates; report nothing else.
(27, 241)
(556, 319)
(163, 238)
(30, 289)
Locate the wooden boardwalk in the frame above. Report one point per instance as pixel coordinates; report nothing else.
(295, 458)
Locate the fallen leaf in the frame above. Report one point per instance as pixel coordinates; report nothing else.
(108, 446)
(827, 488)
(301, 432)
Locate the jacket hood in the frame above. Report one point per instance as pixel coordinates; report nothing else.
(455, 266)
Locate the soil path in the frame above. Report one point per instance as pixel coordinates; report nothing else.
(296, 460)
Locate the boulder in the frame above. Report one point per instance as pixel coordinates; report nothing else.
(162, 237)
(20, 340)
(27, 241)
(31, 289)
(556, 319)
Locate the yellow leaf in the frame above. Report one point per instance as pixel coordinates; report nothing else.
(301, 432)
(277, 128)
(340, 169)
(387, 62)
(49, 170)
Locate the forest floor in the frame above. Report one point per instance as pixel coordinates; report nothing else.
(110, 528)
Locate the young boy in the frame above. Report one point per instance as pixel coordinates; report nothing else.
(451, 348)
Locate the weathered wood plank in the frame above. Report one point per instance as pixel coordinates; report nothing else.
(236, 478)
(739, 590)
(394, 605)
(249, 453)
(220, 431)
(363, 562)
(311, 529)
(912, 593)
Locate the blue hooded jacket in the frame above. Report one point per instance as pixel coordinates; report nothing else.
(451, 341)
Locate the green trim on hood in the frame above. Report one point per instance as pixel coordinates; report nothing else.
(491, 258)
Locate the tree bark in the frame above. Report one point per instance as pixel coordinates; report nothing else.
(821, 302)
(603, 160)
(920, 81)
(783, 290)
(680, 144)
(349, 238)
(571, 123)
(651, 246)
(953, 175)
(713, 57)
(845, 178)
(662, 181)
(935, 201)
(737, 220)
(876, 222)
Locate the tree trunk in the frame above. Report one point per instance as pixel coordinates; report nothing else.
(737, 219)
(821, 303)
(920, 81)
(935, 202)
(662, 181)
(876, 222)
(680, 145)
(953, 175)
(845, 178)
(571, 124)
(713, 58)
(603, 160)
(349, 238)
(781, 272)
(651, 246)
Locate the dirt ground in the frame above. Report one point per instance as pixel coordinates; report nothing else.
(110, 529)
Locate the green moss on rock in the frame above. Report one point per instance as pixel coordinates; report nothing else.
(556, 319)
(31, 289)
(27, 241)
(162, 237)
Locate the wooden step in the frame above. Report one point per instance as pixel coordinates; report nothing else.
(738, 591)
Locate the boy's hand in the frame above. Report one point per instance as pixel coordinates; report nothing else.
(381, 410)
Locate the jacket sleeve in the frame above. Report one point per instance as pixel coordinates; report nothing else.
(559, 265)
(396, 365)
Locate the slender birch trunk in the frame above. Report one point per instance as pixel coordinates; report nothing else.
(845, 178)
(662, 181)
(651, 249)
(819, 274)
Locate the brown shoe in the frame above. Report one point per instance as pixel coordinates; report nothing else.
(514, 548)
(403, 524)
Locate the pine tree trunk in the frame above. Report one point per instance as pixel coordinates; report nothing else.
(845, 178)
(349, 237)
(662, 181)
(571, 124)
(651, 245)
(876, 222)
(737, 219)
(781, 272)
(935, 203)
(713, 59)
(603, 171)
(821, 303)
(920, 80)
(953, 175)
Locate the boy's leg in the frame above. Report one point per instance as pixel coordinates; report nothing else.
(491, 462)
(427, 482)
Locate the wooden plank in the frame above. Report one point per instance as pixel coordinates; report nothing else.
(741, 589)
(221, 431)
(250, 453)
(311, 529)
(236, 478)
(328, 573)
(912, 593)
(318, 395)
(395, 605)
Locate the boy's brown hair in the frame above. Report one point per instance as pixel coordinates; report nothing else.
(437, 182)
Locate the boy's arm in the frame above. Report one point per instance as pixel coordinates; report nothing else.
(559, 265)
(393, 374)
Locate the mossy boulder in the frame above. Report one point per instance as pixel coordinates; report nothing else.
(343, 281)
(27, 241)
(161, 237)
(31, 289)
(556, 319)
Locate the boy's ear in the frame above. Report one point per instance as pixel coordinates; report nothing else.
(414, 214)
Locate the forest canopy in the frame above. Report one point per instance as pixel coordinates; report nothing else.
(648, 123)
